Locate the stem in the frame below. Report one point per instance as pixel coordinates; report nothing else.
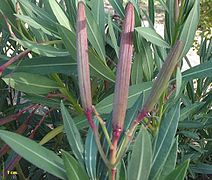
(88, 115)
(63, 89)
(102, 123)
(128, 135)
(13, 59)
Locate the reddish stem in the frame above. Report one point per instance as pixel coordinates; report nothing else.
(88, 114)
(40, 122)
(13, 59)
(15, 116)
(20, 130)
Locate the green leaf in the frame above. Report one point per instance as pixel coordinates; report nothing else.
(99, 68)
(118, 7)
(191, 125)
(46, 65)
(190, 27)
(170, 162)
(199, 71)
(202, 168)
(35, 153)
(94, 35)
(169, 21)
(137, 74)
(106, 105)
(98, 11)
(112, 36)
(73, 169)
(45, 50)
(71, 6)
(151, 10)
(30, 83)
(121, 171)
(164, 5)
(179, 173)
(40, 15)
(165, 140)
(178, 81)
(189, 110)
(41, 99)
(133, 111)
(69, 40)
(91, 151)
(152, 36)
(147, 60)
(140, 162)
(7, 9)
(49, 136)
(189, 134)
(59, 14)
(73, 135)
(31, 22)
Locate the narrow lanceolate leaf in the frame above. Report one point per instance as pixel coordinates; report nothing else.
(112, 35)
(178, 81)
(118, 7)
(97, 8)
(164, 75)
(202, 168)
(73, 135)
(189, 27)
(30, 83)
(91, 154)
(179, 173)
(164, 140)
(51, 134)
(73, 169)
(69, 40)
(152, 36)
(45, 50)
(97, 65)
(31, 22)
(170, 161)
(46, 65)
(106, 105)
(94, 35)
(124, 68)
(199, 71)
(59, 14)
(35, 153)
(82, 58)
(140, 162)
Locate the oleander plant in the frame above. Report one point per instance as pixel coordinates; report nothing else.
(90, 89)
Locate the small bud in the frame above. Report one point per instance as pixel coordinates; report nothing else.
(123, 69)
(82, 58)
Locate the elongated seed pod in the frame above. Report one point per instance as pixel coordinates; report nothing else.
(82, 58)
(164, 75)
(123, 69)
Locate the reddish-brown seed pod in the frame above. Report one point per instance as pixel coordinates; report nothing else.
(82, 59)
(123, 69)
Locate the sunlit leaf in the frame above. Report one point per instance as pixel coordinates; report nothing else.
(152, 36)
(35, 153)
(140, 162)
(30, 83)
(73, 135)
